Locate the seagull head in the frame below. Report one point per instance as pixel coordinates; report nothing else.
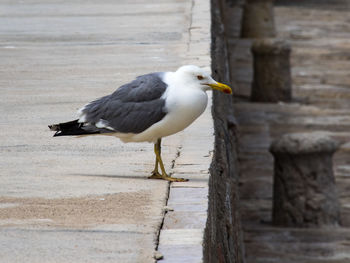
(200, 78)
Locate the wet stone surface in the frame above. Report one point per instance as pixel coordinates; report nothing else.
(319, 37)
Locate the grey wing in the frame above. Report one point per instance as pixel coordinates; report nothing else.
(132, 108)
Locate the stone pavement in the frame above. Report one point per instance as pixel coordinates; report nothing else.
(88, 199)
(319, 35)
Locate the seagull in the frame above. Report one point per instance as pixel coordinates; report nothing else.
(147, 109)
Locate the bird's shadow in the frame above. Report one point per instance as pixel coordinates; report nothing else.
(141, 177)
(113, 176)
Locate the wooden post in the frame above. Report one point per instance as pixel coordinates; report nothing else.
(258, 19)
(272, 76)
(305, 193)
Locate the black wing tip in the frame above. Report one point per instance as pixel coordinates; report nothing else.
(58, 133)
(54, 127)
(71, 128)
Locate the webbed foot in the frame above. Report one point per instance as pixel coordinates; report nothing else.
(156, 175)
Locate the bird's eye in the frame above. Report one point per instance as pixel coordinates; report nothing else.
(199, 77)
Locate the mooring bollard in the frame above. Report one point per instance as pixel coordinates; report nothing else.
(304, 191)
(258, 19)
(272, 75)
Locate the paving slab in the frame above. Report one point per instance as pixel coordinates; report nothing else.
(88, 199)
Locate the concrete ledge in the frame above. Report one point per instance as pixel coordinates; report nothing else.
(182, 234)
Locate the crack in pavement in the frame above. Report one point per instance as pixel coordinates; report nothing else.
(165, 211)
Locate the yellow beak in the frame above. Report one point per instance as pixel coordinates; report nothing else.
(221, 87)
